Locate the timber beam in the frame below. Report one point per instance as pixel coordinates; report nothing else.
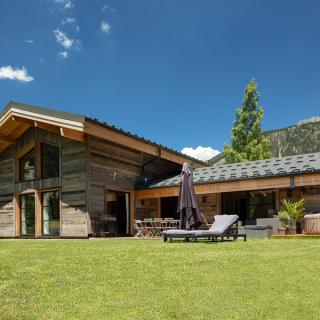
(7, 139)
(311, 179)
(137, 144)
(64, 132)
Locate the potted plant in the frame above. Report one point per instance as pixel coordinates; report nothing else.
(284, 218)
(295, 210)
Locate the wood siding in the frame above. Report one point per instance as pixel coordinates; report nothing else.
(146, 209)
(7, 217)
(207, 206)
(72, 182)
(73, 188)
(111, 167)
(118, 168)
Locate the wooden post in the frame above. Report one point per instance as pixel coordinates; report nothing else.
(158, 214)
(277, 200)
(16, 201)
(38, 214)
(38, 160)
(132, 211)
(219, 203)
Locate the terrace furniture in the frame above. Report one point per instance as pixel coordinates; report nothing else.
(204, 219)
(255, 231)
(219, 230)
(148, 227)
(153, 227)
(139, 229)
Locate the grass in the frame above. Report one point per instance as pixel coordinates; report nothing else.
(148, 279)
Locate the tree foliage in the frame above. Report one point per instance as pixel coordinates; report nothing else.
(248, 143)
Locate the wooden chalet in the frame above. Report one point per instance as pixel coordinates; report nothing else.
(66, 175)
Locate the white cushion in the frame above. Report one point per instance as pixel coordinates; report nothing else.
(223, 222)
(177, 232)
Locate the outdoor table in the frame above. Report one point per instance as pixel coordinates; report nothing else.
(153, 227)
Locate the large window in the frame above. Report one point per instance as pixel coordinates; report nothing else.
(27, 207)
(28, 166)
(49, 161)
(51, 213)
(261, 204)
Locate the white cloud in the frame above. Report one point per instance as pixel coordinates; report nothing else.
(63, 54)
(201, 153)
(68, 20)
(29, 41)
(72, 21)
(66, 3)
(105, 27)
(63, 39)
(7, 72)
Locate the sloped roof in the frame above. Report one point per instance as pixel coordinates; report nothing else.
(77, 118)
(137, 137)
(278, 167)
(45, 111)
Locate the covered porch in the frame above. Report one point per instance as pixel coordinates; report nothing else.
(256, 202)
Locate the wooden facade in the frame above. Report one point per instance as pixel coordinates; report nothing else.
(95, 163)
(101, 170)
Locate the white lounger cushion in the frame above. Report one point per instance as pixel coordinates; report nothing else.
(223, 223)
(178, 232)
(220, 226)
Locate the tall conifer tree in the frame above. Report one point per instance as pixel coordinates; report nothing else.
(248, 143)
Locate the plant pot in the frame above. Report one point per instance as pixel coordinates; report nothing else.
(300, 227)
(281, 231)
(291, 230)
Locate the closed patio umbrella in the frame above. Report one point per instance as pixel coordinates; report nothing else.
(187, 202)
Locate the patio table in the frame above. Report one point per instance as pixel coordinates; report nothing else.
(151, 228)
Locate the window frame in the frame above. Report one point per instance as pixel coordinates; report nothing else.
(22, 171)
(35, 146)
(41, 169)
(21, 214)
(42, 212)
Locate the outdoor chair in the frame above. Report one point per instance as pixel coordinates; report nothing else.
(157, 226)
(219, 230)
(204, 219)
(148, 226)
(139, 229)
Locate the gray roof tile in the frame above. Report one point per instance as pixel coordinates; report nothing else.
(286, 166)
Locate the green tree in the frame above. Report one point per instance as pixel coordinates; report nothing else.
(248, 143)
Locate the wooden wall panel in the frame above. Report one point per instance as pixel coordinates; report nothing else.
(44, 184)
(146, 209)
(73, 189)
(25, 139)
(111, 167)
(208, 206)
(7, 216)
(312, 199)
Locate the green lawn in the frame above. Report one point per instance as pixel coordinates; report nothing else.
(149, 279)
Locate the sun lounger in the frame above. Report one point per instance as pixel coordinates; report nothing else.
(219, 230)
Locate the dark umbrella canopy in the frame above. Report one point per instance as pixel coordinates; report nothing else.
(187, 202)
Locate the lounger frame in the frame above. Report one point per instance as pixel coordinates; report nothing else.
(212, 237)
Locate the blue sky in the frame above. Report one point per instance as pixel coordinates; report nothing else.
(172, 71)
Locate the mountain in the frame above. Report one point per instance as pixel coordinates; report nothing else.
(304, 137)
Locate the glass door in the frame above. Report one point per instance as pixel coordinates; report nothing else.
(27, 207)
(117, 212)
